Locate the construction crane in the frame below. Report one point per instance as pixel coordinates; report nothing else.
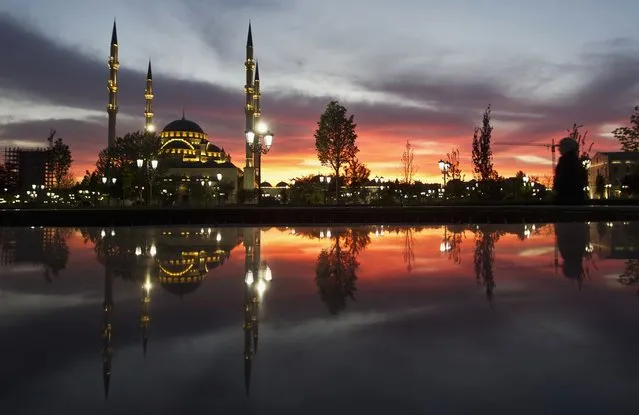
(51, 137)
(552, 146)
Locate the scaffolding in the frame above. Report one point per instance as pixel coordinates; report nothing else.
(25, 168)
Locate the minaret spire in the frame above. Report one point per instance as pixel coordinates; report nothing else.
(112, 85)
(249, 110)
(148, 96)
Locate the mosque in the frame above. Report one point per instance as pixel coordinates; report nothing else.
(186, 148)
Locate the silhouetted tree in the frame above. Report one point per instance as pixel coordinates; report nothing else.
(454, 171)
(60, 161)
(571, 177)
(408, 164)
(484, 258)
(407, 253)
(335, 139)
(356, 173)
(583, 148)
(336, 269)
(55, 251)
(629, 136)
(482, 153)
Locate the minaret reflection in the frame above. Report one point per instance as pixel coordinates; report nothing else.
(145, 317)
(107, 327)
(257, 276)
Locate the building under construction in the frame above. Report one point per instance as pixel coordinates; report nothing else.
(27, 167)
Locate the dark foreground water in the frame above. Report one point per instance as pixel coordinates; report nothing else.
(526, 319)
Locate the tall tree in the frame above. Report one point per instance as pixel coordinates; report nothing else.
(482, 153)
(408, 163)
(60, 160)
(356, 173)
(454, 170)
(629, 136)
(335, 138)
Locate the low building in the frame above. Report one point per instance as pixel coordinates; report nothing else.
(613, 167)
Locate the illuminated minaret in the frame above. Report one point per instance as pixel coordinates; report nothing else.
(112, 86)
(145, 317)
(148, 97)
(249, 110)
(107, 350)
(257, 155)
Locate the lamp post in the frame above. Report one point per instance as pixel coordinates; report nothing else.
(444, 166)
(326, 179)
(105, 181)
(260, 142)
(150, 166)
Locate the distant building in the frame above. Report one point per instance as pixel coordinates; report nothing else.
(613, 167)
(615, 240)
(26, 168)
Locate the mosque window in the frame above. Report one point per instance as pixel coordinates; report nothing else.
(190, 135)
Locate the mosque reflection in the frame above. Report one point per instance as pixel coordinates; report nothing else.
(178, 260)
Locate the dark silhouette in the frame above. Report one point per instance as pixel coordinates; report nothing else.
(484, 258)
(571, 177)
(407, 253)
(336, 269)
(572, 241)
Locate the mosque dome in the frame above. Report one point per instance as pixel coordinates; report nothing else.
(183, 125)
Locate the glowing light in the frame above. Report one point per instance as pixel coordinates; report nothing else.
(147, 285)
(138, 251)
(250, 136)
(262, 128)
(102, 233)
(153, 250)
(249, 277)
(154, 164)
(261, 287)
(328, 233)
(218, 237)
(112, 232)
(268, 274)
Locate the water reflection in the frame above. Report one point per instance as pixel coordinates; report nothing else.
(45, 247)
(404, 280)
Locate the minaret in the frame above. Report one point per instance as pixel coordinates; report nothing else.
(148, 97)
(112, 85)
(145, 317)
(257, 155)
(107, 350)
(249, 110)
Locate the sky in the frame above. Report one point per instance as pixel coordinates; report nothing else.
(407, 70)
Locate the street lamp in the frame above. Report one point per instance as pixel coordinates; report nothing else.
(444, 166)
(260, 142)
(150, 168)
(326, 179)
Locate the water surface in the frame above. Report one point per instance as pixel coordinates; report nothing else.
(449, 319)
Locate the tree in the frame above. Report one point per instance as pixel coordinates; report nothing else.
(356, 173)
(60, 160)
(629, 136)
(581, 139)
(335, 138)
(454, 171)
(482, 154)
(408, 164)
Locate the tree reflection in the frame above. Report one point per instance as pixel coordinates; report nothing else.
(484, 258)
(573, 243)
(115, 249)
(407, 252)
(336, 269)
(454, 238)
(55, 251)
(630, 275)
